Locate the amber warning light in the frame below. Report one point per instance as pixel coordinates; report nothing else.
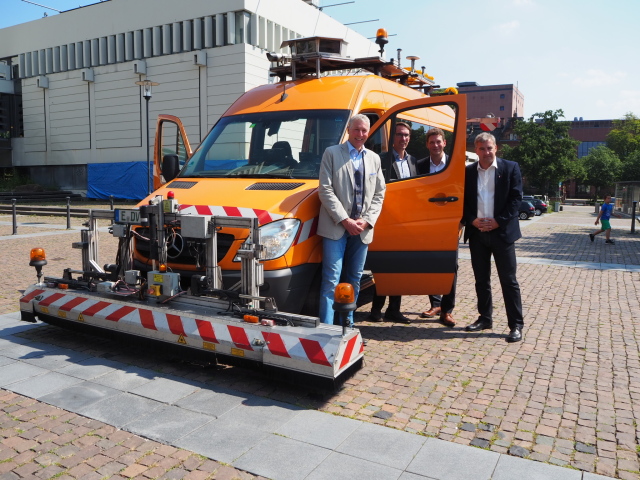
(38, 259)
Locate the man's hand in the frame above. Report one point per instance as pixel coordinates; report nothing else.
(597, 221)
(354, 227)
(485, 224)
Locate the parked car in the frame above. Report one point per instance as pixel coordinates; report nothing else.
(540, 205)
(527, 210)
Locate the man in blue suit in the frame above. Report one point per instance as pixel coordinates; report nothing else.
(492, 194)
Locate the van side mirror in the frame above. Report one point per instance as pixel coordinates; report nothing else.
(170, 167)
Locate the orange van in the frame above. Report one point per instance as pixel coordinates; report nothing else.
(262, 158)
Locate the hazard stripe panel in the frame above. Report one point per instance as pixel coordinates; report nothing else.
(275, 344)
(67, 307)
(227, 211)
(206, 331)
(314, 352)
(320, 351)
(52, 298)
(30, 296)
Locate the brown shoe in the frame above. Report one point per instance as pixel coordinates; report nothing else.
(447, 319)
(432, 312)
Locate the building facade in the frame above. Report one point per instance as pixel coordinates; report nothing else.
(71, 77)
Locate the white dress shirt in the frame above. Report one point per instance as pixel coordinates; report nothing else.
(487, 190)
(433, 168)
(403, 164)
(356, 156)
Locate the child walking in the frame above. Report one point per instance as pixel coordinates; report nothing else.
(606, 210)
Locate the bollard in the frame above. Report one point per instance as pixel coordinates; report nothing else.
(68, 213)
(111, 201)
(597, 207)
(15, 217)
(633, 216)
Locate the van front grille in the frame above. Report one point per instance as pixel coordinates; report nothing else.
(191, 253)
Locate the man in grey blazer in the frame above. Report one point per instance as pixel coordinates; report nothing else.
(351, 192)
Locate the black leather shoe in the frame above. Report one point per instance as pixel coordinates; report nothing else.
(375, 316)
(515, 335)
(396, 317)
(479, 325)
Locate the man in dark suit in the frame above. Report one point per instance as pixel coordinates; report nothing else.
(437, 160)
(403, 165)
(492, 195)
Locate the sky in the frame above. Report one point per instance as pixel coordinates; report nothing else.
(581, 56)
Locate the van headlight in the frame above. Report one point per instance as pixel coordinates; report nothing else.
(277, 237)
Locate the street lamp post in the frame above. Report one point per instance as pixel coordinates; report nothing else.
(146, 93)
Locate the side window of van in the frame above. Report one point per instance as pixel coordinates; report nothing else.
(172, 142)
(419, 135)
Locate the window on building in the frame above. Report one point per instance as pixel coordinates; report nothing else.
(502, 108)
(502, 95)
(585, 147)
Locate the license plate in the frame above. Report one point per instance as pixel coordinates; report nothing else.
(127, 216)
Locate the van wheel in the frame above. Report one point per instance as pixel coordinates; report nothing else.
(311, 305)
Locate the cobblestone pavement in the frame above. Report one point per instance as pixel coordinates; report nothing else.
(39, 441)
(569, 394)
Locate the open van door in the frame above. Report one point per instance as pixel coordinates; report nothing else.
(171, 139)
(415, 246)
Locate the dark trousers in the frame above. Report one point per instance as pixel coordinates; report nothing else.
(394, 303)
(481, 246)
(446, 302)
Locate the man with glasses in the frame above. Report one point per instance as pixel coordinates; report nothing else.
(351, 192)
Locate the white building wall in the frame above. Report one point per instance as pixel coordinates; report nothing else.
(91, 111)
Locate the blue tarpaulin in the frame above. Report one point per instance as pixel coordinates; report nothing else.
(126, 180)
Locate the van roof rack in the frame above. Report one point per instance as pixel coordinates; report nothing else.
(313, 56)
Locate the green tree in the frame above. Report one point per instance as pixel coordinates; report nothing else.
(624, 138)
(631, 167)
(546, 153)
(602, 167)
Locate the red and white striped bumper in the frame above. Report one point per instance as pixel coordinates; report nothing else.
(321, 351)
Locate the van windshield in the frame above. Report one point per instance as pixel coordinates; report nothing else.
(269, 144)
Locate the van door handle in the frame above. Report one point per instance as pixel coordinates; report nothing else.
(443, 199)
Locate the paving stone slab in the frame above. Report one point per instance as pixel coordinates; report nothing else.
(265, 414)
(121, 409)
(510, 467)
(90, 368)
(79, 397)
(6, 360)
(593, 476)
(382, 445)
(30, 350)
(18, 371)
(126, 379)
(168, 423)
(165, 390)
(414, 476)
(37, 387)
(282, 458)
(223, 439)
(452, 461)
(318, 428)
(57, 359)
(210, 402)
(339, 466)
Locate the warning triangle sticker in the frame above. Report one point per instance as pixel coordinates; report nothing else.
(80, 318)
(182, 340)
